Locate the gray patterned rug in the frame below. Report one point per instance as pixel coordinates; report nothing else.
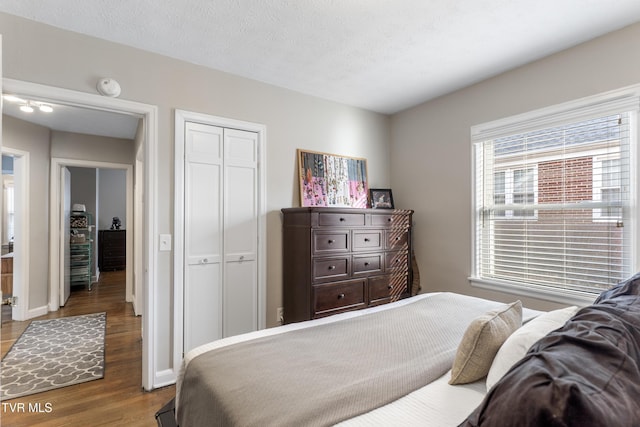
(54, 353)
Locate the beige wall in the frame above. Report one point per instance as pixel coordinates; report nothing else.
(76, 146)
(431, 148)
(46, 55)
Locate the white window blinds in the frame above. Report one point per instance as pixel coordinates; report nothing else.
(554, 198)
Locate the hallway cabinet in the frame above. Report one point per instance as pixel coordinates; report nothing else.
(112, 250)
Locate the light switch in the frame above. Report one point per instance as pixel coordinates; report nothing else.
(165, 242)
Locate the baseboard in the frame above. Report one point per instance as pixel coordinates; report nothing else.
(35, 312)
(164, 378)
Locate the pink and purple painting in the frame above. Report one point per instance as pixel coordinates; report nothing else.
(332, 180)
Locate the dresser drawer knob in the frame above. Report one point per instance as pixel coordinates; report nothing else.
(332, 267)
(331, 241)
(390, 287)
(366, 264)
(389, 219)
(397, 238)
(366, 239)
(342, 219)
(341, 296)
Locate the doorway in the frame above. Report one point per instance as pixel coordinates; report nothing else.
(91, 198)
(152, 377)
(8, 237)
(15, 233)
(98, 197)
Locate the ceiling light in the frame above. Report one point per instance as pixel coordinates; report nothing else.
(45, 108)
(27, 108)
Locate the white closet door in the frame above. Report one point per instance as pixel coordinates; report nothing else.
(203, 234)
(240, 312)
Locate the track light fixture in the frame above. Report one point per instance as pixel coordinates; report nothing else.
(27, 106)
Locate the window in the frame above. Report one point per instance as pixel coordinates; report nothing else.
(9, 210)
(607, 188)
(553, 194)
(514, 190)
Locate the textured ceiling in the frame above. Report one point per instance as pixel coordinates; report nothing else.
(382, 55)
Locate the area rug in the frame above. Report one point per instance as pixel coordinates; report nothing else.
(54, 353)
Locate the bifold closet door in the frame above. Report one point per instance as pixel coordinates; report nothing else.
(240, 290)
(221, 233)
(203, 234)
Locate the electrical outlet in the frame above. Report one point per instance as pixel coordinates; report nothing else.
(280, 315)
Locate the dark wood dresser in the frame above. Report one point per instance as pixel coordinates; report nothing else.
(112, 252)
(342, 259)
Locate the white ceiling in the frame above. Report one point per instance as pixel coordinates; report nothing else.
(77, 120)
(382, 55)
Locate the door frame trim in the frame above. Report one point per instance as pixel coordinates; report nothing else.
(181, 117)
(21, 230)
(151, 376)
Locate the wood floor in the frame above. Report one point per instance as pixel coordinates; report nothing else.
(116, 400)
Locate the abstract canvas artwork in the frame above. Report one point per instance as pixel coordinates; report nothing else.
(332, 180)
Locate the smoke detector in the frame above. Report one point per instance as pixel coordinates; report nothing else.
(108, 87)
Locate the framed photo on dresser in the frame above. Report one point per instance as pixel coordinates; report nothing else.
(381, 198)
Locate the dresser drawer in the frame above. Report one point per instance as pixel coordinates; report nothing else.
(367, 240)
(114, 263)
(397, 261)
(387, 288)
(341, 219)
(367, 264)
(390, 220)
(337, 296)
(397, 238)
(383, 220)
(335, 268)
(330, 242)
(114, 236)
(110, 252)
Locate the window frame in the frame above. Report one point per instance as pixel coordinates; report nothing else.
(613, 102)
(509, 191)
(598, 185)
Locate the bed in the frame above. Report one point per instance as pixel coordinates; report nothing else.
(437, 359)
(321, 372)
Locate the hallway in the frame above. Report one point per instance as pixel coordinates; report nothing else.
(116, 400)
